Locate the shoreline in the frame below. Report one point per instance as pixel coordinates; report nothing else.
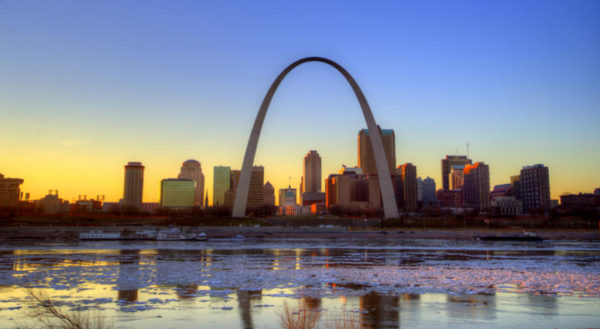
(57, 234)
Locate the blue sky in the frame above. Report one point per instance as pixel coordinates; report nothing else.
(87, 86)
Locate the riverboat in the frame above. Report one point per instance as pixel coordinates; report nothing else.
(99, 235)
(173, 234)
(526, 236)
(197, 236)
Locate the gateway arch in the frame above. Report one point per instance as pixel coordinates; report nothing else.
(390, 208)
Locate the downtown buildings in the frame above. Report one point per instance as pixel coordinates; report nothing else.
(453, 163)
(225, 182)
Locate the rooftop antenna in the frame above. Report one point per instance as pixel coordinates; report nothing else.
(290, 182)
(467, 150)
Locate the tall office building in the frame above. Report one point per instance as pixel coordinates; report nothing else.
(311, 172)
(535, 188)
(366, 158)
(428, 191)
(10, 192)
(221, 184)
(476, 190)
(191, 169)
(133, 189)
(257, 183)
(177, 193)
(408, 178)
(269, 194)
(448, 163)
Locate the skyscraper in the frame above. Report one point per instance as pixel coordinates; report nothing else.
(428, 191)
(177, 193)
(535, 188)
(269, 194)
(311, 174)
(191, 169)
(476, 189)
(447, 164)
(255, 192)
(366, 159)
(408, 177)
(134, 185)
(221, 184)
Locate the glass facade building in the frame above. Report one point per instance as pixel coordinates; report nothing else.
(177, 193)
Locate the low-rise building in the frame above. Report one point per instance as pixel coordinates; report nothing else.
(450, 198)
(51, 204)
(506, 206)
(309, 198)
(10, 192)
(581, 200)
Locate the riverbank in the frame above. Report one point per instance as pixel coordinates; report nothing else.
(71, 233)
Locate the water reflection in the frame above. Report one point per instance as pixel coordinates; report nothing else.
(246, 299)
(7, 266)
(543, 303)
(129, 276)
(186, 291)
(324, 278)
(478, 306)
(379, 311)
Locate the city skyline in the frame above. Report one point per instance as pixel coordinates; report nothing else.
(76, 112)
(136, 163)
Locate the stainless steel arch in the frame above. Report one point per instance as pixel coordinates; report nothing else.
(385, 182)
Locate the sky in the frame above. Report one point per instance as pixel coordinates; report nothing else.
(86, 86)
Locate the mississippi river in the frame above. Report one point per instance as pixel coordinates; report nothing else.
(381, 283)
